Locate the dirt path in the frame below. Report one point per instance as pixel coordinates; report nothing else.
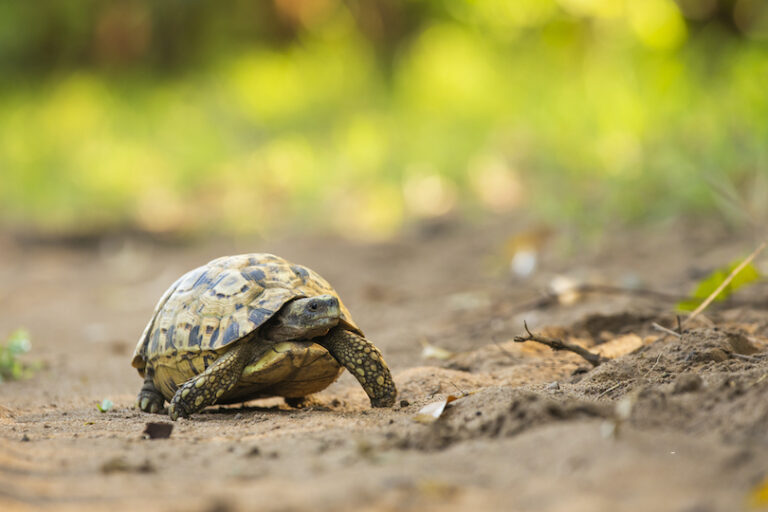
(678, 424)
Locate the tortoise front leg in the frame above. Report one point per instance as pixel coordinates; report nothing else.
(149, 399)
(364, 361)
(204, 389)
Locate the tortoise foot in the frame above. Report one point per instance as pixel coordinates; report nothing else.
(183, 402)
(365, 363)
(204, 389)
(149, 399)
(176, 411)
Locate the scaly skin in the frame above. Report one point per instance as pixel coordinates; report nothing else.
(204, 389)
(355, 353)
(149, 399)
(364, 361)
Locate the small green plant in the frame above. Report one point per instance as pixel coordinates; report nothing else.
(11, 367)
(707, 286)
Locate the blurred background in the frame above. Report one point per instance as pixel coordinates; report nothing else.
(352, 116)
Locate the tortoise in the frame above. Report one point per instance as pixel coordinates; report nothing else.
(252, 326)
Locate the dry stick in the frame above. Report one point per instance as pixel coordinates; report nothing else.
(726, 282)
(601, 395)
(557, 344)
(659, 327)
(658, 358)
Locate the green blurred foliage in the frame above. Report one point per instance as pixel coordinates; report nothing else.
(190, 115)
(11, 367)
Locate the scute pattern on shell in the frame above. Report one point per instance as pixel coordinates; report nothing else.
(214, 305)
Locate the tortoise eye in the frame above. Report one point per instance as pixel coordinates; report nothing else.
(313, 306)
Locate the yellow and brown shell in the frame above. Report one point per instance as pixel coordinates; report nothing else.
(213, 306)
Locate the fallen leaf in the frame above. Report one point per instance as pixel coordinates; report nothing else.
(523, 262)
(566, 289)
(105, 405)
(758, 497)
(522, 250)
(432, 411)
(430, 351)
(707, 286)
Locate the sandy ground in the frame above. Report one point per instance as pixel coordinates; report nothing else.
(670, 423)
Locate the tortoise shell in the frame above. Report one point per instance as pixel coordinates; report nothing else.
(213, 306)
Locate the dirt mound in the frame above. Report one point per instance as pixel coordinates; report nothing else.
(706, 381)
(493, 413)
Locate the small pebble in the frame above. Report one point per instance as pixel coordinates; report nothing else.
(553, 386)
(158, 430)
(25, 438)
(404, 403)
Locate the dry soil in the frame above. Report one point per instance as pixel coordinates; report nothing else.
(670, 423)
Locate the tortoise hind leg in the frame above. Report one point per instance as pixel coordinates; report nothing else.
(204, 389)
(364, 362)
(149, 399)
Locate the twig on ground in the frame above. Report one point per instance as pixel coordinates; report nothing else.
(461, 391)
(661, 328)
(656, 362)
(601, 395)
(557, 344)
(726, 282)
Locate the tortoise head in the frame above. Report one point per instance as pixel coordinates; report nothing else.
(304, 319)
